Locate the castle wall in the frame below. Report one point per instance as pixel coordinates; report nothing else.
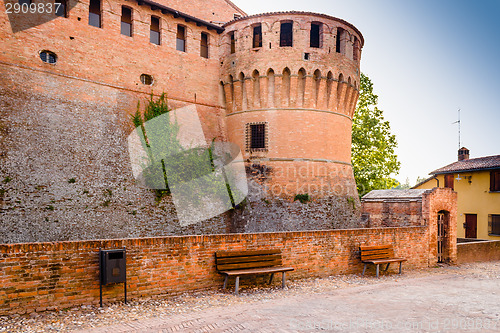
(305, 95)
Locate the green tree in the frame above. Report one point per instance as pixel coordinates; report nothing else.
(373, 157)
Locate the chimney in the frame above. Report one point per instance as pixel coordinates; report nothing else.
(463, 154)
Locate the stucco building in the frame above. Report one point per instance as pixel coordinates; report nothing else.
(477, 182)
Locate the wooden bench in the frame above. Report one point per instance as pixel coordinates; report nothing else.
(382, 254)
(240, 263)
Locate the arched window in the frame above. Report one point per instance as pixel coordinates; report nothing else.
(301, 87)
(256, 88)
(286, 86)
(317, 83)
(243, 92)
(270, 88)
(329, 83)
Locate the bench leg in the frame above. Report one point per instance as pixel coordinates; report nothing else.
(378, 268)
(400, 267)
(283, 280)
(236, 285)
(271, 278)
(225, 282)
(364, 269)
(387, 267)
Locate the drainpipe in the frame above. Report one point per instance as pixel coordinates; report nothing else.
(437, 180)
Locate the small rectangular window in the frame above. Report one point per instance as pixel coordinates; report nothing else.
(257, 36)
(233, 42)
(181, 39)
(60, 8)
(339, 43)
(494, 225)
(286, 34)
(449, 181)
(22, 2)
(315, 35)
(95, 13)
(154, 30)
(126, 24)
(204, 45)
(256, 136)
(495, 181)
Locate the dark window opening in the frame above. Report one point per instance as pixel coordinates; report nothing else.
(258, 136)
(338, 45)
(181, 39)
(147, 79)
(204, 45)
(494, 225)
(48, 57)
(306, 56)
(495, 181)
(286, 34)
(154, 30)
(257, 36)
(449, 181)
(95, 13)
(233, 42)
(315, 36)
(25, 2)
(60, 8)
(126, 24)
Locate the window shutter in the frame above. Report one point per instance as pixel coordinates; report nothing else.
(490, 227)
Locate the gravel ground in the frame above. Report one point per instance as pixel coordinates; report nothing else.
(87, 316)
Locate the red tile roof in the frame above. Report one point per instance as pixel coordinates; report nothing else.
(474, 164)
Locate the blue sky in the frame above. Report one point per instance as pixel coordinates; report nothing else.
(426, 59)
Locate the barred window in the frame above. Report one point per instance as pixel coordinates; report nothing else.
(494, 225)
(48, 57)
(256, 136)
(147, 79)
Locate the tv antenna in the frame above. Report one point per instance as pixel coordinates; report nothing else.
(458, 121)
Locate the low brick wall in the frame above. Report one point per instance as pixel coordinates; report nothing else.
(41, 276)
(478, 251)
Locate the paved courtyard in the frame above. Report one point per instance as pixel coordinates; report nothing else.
(447, 299)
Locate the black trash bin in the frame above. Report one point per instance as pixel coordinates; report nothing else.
(112, 268)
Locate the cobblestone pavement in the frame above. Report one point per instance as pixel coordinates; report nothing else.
(446, 299)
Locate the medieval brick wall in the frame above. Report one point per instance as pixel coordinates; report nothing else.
(42, 276)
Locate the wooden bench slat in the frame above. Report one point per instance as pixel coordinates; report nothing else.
(364, 247)
(225, 267)
(231, 260)
(385, 261)
(257, 271)
(223, 254)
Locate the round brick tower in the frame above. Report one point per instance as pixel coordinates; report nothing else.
(289, 83)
